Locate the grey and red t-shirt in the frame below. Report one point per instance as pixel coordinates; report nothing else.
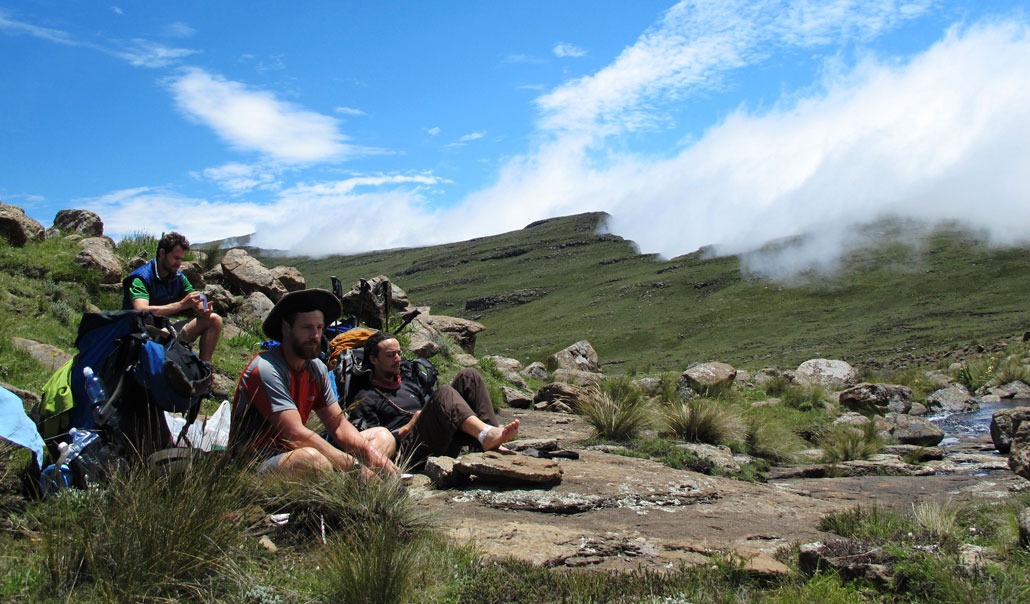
(267, 386)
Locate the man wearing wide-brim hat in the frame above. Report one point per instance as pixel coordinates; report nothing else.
(279, 389)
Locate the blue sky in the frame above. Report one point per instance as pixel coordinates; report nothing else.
(331, 127)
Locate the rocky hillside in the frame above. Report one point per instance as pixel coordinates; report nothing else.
(911, 299)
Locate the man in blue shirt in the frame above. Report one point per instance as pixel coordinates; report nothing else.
(160, 287)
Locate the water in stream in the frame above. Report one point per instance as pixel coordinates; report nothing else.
(960, 427)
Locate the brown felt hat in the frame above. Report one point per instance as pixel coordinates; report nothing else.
(305, 300)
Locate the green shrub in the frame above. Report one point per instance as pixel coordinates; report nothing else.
(703, 420)
(847, 443)
(614, 419)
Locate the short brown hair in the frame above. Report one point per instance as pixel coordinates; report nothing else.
(169, 241)
(372, 346)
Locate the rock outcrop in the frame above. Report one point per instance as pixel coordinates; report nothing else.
(79, 221)
(98, 253)
(1004, 424)
(247, 275)
(290, 277)
(953, 399)
(17, 228)
(877, 399)
(580, 356)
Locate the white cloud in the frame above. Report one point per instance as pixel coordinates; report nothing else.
(238, 178)
(116, 10)
(467, 138)
(144, 53)
(564, 49)
(255, 120)
(349, 111)
(137, 52)
(693, 47)
(19, 27)
(520, 58)
(433, 131)
(179, 29)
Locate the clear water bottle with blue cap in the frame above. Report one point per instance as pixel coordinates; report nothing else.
(94, 388)
(58, 475)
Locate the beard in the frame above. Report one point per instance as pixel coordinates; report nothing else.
(306, 350)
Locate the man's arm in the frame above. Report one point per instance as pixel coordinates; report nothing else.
(141, 300)
(348, 437)
(290, 427)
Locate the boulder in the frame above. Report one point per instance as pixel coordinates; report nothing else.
(830, 374)
(1016, 389)
(910, 430)
(215, 275)
(510, 469)
(462, 331)
(877, 399)
(1024, 528)
(247, 275)
(17, 228)
(719, 456)
(649, 386)
(51, 357)
(254, 309)
(579, 378)
(1019, 454)
(97, 253)
(580, 356)
(290, 277)
(195, 273)
(953, 399)
(707, 376)
(516, 398)
(515, 379)
(137, 261)
(1004, 424)
(536, 371)
(221, 301)
(504, 364)
(79, 221)
(466, 360)
(561, 392)
(441, 471)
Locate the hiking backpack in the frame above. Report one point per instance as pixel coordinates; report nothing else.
(145, 371)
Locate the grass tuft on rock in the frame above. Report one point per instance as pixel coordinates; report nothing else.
(617, 419)
(703, 420)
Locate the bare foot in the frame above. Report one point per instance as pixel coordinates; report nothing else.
(498, 436)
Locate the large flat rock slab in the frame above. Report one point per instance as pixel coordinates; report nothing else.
(614, 512)
(620, 513)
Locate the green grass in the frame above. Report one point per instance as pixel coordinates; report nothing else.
(615, 413)
(704, 421)
(849, 443)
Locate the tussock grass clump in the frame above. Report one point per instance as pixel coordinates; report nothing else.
(938, 519)
(848, 443)
(703, 420)
(375, 533)
(134, 243)
(334, 501)
(771, 438)
(149, 535)
(613, 418)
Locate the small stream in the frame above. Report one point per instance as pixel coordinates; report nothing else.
(960, 427)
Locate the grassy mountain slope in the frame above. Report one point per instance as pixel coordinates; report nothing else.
(899, 297)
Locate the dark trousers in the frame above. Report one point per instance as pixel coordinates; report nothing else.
(437, 431)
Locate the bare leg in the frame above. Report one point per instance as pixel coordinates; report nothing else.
(209, 328)
(495, 436)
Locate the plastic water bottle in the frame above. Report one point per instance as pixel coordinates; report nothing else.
(80, 440)
(94, 387)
